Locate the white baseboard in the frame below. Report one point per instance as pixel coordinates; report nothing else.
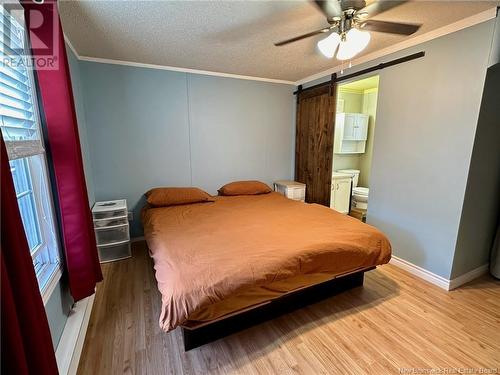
(437, 280)
(70, 345)
(469, 276)
(420, 272)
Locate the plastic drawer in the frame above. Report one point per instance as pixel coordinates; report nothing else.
(109, 214)
(114, 252)
(110, 235)
(292, 192)
(296, 193)
(111, 222)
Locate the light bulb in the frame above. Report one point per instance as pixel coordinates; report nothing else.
(355, 42)
(328, 45)
(346, 50)
(359, 38)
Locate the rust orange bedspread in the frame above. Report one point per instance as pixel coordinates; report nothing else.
(212, 258)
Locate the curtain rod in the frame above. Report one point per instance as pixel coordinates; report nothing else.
(364, 71)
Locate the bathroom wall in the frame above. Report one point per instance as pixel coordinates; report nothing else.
(346, 161)
(353, 100)
(365, 160)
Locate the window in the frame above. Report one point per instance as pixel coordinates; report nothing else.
(26, 200)
(20, 126)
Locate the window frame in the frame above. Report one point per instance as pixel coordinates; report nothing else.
(28, 151)
(25, 164)
(52, 262)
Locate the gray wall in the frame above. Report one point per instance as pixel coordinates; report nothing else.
(239, 130)
(495, 44)
(427, 116)
(148, 128)
(480, 214)
(426, 123)
(57, 309)
(82, 127)
(365, 160)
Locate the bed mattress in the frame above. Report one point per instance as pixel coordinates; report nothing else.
(216, 258)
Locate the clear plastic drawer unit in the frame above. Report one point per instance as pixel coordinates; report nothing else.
(111, 230)
(291, 189)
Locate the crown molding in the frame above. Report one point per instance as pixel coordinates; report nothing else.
(71, 47)
(173, 68)
(407, 43)
(184, 70)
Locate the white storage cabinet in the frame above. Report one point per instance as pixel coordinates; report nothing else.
(351, 133)
(291, 189)
(111, 230)
(340, 198)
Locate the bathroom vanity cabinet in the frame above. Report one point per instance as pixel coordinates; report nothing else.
(340, 199)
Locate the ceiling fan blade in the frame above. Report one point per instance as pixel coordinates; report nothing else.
(317, 32)
(330, 8)
(376, 7)
(389, 27)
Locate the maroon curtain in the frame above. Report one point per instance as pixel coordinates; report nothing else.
(26, 342)
(54, 82)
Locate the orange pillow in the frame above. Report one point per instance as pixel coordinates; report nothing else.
(244, 188)
(170, 196)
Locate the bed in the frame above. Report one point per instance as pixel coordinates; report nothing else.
(222, 263)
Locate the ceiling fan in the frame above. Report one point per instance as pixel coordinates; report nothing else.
(350, 25)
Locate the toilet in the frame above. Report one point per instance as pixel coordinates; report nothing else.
(359, 193)
(360, 197)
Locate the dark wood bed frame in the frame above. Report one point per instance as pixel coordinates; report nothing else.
(195, 337)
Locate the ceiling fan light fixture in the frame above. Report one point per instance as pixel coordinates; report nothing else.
(360, 38)
(355, 41)
(346, 51)
(328, 45)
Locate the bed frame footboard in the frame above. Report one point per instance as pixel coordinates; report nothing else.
(195, 337)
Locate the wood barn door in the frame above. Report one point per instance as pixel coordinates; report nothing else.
(314, 142)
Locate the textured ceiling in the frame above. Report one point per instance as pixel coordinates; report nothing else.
(229, 36)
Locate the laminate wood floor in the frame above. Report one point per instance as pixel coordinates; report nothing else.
(395, 322)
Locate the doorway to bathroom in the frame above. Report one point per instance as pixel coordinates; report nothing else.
(353, 146)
